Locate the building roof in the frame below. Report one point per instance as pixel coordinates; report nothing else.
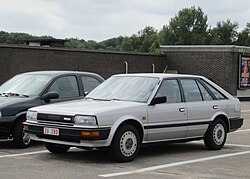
(46, 40)
(204, 48)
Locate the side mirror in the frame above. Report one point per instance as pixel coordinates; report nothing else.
(86, 92)
(48, 96)
(159, 100)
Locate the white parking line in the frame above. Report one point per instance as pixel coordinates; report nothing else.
(23, 154)
(174, 164)
(238, 145)
(245, 111)
(233, 145)
(243, 130)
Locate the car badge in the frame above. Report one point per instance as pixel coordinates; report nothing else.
(67, 118)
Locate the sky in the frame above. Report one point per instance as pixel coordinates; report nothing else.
(103, 19)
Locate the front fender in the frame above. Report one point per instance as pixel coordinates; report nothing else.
(20, 114)
(119, 122)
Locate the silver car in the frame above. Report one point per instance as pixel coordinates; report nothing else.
(129, 110)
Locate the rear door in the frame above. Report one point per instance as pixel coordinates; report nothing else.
(168, 120)
(200, 107)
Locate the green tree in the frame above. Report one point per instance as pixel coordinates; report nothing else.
(127, 44)
(148, 41)
(244, 36)
(188, 27)
(144, 41)
(225, 33)
(75, 43)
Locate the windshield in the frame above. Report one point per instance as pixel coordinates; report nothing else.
(125, 88)
(25, 85)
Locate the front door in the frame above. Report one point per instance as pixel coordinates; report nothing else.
(168, 120)
(67, 87)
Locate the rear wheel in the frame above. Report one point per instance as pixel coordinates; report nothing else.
(56, 148)
(216, 135)
(125, 144)
(21, 139)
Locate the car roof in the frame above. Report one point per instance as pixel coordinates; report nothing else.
(160, 75)
(57, 73)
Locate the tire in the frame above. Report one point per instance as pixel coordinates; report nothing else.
(20, 138)
(126, 144)
(57, 148)
(216, 135)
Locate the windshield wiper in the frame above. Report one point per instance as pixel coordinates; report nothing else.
(115, 99)
(97, 99)
(88, 98)
(15, 94)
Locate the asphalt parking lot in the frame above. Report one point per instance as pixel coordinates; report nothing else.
(188, 160)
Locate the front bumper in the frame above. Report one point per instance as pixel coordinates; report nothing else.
(68, 135)
(235, 123)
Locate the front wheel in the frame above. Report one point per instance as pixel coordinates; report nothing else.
(125, 144)
(216, 135)
(21, 139)
(56, 148)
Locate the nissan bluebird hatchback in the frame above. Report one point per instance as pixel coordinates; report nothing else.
(128, 110)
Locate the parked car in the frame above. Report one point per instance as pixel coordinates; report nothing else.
(31, 89)
(128, 110)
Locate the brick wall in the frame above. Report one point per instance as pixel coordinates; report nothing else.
(222, 67)
(217, 63)
(15, 59)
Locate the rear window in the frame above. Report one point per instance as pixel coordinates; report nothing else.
(215, 92)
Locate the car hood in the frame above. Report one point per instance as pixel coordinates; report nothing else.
(6, 101)
(86, 107)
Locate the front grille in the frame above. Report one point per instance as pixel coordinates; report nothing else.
(55, 119)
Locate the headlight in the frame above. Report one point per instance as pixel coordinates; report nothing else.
(31, 116)
(85, 120)
(0, 114)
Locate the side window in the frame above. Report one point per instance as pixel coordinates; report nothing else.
(191, 90)
(65, 86)
(205, 94)
(89, 83)
(171, 90)
(215, 92)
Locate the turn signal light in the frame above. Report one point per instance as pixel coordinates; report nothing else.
(25, 126)
(90, 133)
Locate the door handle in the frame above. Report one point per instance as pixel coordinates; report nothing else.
(215, 106)
(182, 109)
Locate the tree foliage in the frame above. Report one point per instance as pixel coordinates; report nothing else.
(18, 38)
(244, 36)
(225, 33)
(188, 27)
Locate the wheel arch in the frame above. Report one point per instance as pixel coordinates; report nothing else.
(136, 124)
(225, 119)
(21, 115)
(132, 121)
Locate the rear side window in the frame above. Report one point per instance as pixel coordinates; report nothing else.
(191, 90)
(205, 94)
(215, 92)
(89, 83)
